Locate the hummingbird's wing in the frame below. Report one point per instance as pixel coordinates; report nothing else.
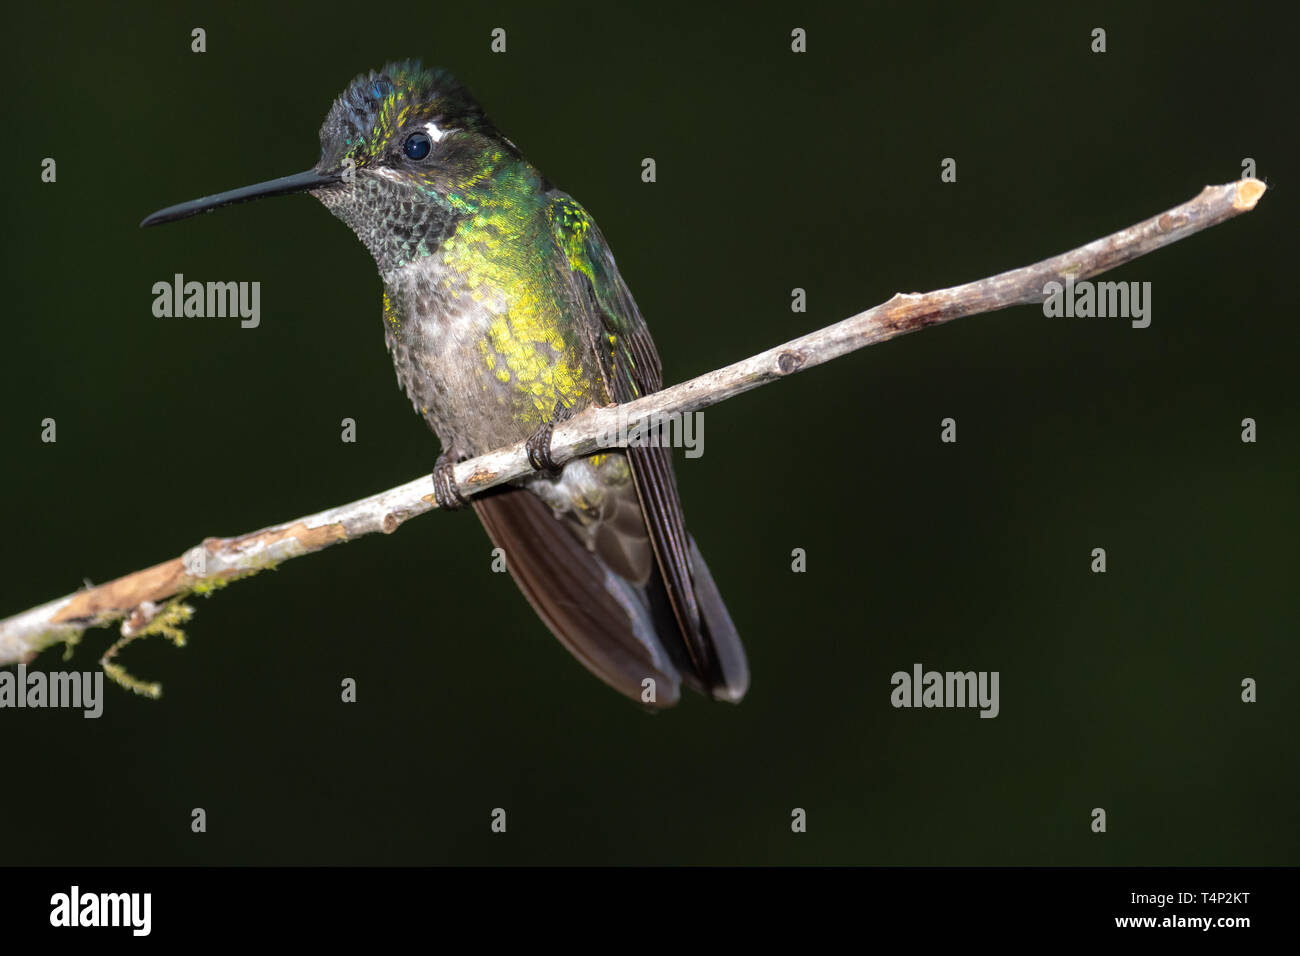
(631, 367)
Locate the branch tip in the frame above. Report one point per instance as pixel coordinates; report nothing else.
(1248, 193)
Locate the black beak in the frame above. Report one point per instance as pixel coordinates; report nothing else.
(297, 183)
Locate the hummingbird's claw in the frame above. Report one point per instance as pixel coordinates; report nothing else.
(539, 449)
(445, 491)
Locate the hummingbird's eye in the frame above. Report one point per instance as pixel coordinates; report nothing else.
(417, 145)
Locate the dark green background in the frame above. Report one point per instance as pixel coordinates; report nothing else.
(775, 170)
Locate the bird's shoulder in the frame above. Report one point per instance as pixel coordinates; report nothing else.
(631, 358)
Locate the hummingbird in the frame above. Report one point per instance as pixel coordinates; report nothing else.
(505, 314)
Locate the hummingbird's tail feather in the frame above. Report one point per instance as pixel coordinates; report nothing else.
(716, 655)
(599, 617)
(720, 632)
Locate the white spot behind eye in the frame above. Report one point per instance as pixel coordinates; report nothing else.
(434, 132)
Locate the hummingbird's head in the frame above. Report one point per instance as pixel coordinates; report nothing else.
(403, 151)
(406, 123)
(412, 150)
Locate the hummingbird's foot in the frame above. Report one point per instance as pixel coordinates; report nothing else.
(445, 491)
(539, 449)
(539, 445)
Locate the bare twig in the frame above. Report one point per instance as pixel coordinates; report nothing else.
(217, 561)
